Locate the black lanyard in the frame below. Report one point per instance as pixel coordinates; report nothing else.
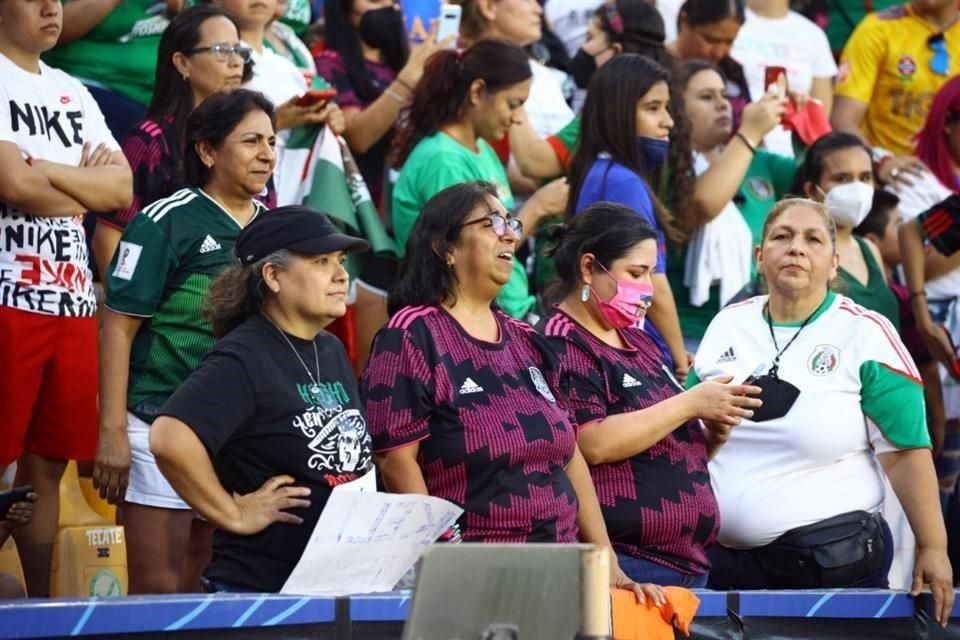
(775, 367)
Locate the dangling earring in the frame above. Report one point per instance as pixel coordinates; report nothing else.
(584, 293)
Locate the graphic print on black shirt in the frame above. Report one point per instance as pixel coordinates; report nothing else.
(658, 504)
(493, 437)
(260, 415)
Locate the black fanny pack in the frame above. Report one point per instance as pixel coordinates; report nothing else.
(838, 552)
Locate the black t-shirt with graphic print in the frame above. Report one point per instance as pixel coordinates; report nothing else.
(256, 410)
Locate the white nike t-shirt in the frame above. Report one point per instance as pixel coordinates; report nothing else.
(43, 261)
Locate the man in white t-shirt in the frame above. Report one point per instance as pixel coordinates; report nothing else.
(775, 36)
(58, 160)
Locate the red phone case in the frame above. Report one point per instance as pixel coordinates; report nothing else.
(315, 96)
(771, 74)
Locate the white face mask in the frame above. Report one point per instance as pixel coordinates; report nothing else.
(849, 203)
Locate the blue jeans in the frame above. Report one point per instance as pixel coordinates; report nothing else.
(640, 570)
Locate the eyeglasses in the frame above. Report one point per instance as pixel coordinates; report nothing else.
(224, 52)
(499, 224)
(940, 62)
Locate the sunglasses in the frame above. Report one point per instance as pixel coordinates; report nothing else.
(940, 62)
(224, 52)
(499, 223)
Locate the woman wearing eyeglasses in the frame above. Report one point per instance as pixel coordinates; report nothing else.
(200, 54)
(460, 398)
(464, 99)
(153, 335)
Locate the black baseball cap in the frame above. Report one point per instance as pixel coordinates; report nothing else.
(296, 228)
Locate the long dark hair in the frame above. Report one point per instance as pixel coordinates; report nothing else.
(212, 121)
(424, 277)
(610, 124)
(701, 12)
(342, 37)
(172, 96)
(606, 229)
(439, 97)
(812, 168)
(640, 29)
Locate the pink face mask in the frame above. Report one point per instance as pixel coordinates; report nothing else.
(628, 306)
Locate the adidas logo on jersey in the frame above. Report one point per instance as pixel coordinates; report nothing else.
(209, 244)
(629, 381)
(727, 356)
(469, 386)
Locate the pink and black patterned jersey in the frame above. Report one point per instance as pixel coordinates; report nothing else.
(493, 436)
(658, 504)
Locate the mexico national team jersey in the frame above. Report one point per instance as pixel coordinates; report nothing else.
(167, 257)
(860, 394)
(887, 66)
(658, 504)
(43, 260)
(493, 437)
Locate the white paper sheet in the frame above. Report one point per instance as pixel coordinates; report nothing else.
(364, 542)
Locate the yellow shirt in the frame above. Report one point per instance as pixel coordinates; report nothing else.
(886, 65)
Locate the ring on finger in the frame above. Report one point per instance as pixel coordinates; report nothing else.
(894, 172)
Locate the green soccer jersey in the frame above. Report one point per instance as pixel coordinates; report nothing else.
(437, 162)
(167, 257)
(120, 53)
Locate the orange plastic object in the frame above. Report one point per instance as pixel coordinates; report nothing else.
(635, 621)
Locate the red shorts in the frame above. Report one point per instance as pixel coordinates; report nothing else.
(48, 386)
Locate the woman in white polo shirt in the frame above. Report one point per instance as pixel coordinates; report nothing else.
(799, 484)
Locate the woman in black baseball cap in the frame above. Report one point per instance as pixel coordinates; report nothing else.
(258, 436)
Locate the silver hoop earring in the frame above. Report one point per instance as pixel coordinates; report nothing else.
(584, 293)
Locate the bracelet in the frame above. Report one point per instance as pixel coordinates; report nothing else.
(918, 294)
(396, 96)
(750, 145)
(404, 84)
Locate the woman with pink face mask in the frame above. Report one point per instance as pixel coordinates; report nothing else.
(637, 428)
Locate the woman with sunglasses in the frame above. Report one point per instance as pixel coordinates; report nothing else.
(200, 53)
(460, 398)
(464, 99)
(153, 334)
(639, 431)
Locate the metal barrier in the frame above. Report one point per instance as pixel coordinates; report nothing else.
(847, 614)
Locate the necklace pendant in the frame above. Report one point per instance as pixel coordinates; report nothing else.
(315, 390)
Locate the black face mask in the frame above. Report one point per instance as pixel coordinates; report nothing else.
(778, 396)
(383, 29)
(582, 67)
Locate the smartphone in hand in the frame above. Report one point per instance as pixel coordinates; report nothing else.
(449, 23)
(11, 497)
(771, 77)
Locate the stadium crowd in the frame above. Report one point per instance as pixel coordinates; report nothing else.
(679, 279)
